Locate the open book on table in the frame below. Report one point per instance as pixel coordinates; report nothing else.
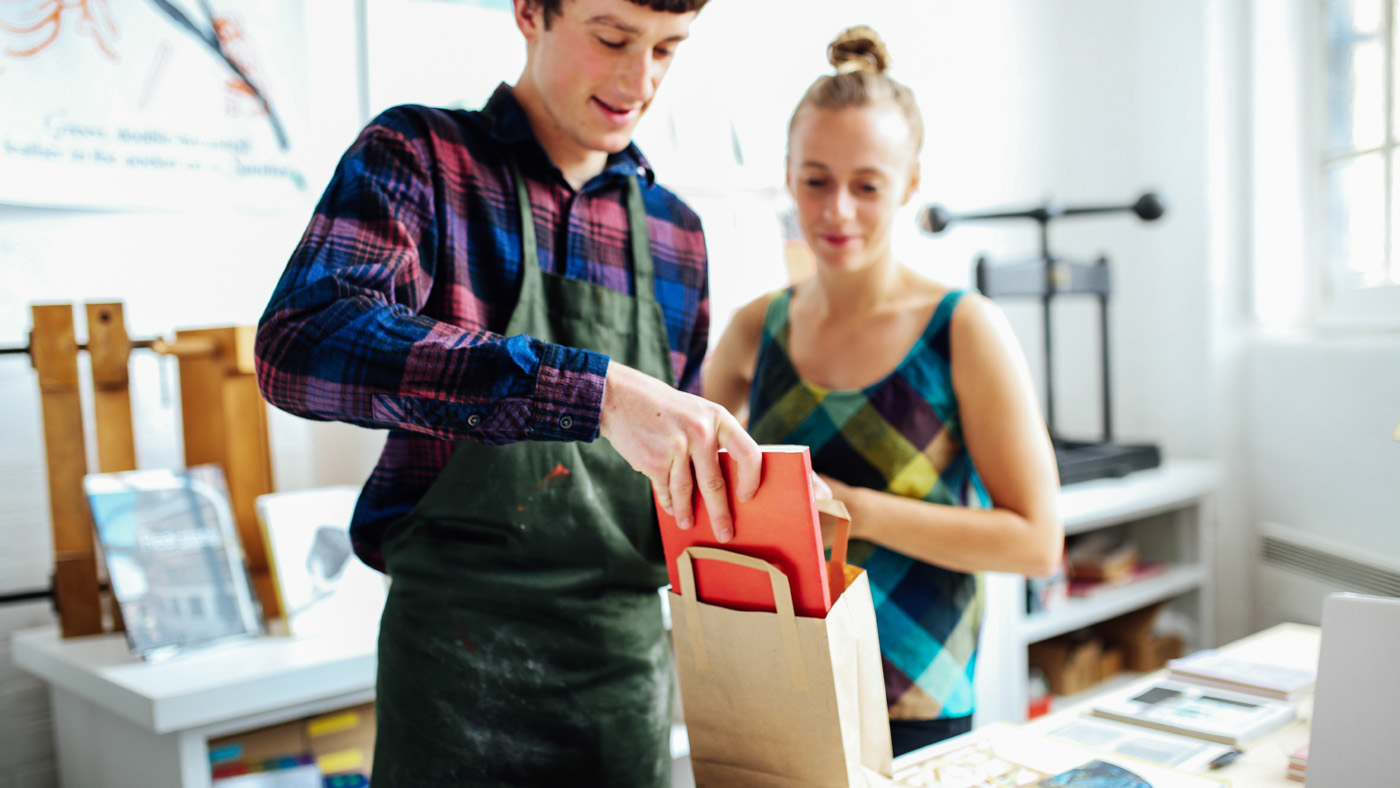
(1215, 715)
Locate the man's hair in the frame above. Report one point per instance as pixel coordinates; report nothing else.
(551, 7)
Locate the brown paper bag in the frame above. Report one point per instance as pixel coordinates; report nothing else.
(775, 700)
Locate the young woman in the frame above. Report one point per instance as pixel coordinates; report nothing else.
(914, 397)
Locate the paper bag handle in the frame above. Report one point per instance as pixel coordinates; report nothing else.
(836, 567)
(782, 600)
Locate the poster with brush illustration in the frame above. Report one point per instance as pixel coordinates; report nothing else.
(146, 104)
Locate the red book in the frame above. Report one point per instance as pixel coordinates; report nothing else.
(779, 524)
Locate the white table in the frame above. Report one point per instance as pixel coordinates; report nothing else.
(123, 723)
(1264, 762)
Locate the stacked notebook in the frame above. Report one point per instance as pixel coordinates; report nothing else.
(1212, 669)
(1298, 764)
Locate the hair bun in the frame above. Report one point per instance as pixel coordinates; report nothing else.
(858, 48)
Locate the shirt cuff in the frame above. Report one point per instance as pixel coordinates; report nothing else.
(568, 399)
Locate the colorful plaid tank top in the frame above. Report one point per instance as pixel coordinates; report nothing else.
(901, 435)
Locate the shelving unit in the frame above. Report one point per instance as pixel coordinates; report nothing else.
(123, 723)
(1167, 512)
(120, 722)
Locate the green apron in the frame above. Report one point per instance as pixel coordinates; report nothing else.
(522, 641)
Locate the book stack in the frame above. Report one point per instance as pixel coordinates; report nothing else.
(1212, 669)
(1099, 562)
(1298, 764)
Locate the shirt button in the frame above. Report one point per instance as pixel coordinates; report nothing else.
(566, 422)
(473, 419)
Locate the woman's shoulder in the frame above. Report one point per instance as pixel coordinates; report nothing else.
(921, 293)
(750, 318)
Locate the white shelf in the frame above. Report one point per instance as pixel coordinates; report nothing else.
(1169, 508)
(206, 687)
(1087, 506)
(1080, 612)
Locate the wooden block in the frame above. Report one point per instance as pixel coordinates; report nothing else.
(248, 470)
(52, 348)
(54, 352)
(244, 362)
(108, 346)
(66, 459)
(115, 610)
(76, 594)
(201, 394)
(1070, 665)
(1110, 662)
(224, 420)
(109, 350)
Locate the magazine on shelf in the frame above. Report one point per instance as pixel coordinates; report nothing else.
(1216, 715)
(323, 587)
(1212, 669)
(173, 556)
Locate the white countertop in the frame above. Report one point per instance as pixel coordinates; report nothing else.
(200, 687)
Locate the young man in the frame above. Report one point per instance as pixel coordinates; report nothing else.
(498, 289)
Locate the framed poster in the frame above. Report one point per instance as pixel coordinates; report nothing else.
(131, 104)
(174, 558)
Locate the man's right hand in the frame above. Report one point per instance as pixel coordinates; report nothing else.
(674, 438)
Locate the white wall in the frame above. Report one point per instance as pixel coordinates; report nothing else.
(1321, 458)
(1319, 405)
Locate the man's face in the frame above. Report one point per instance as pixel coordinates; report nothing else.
(598, 65)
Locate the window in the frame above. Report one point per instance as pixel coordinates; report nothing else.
(1360, 176)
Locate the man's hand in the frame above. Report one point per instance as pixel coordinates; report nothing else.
(674, 438)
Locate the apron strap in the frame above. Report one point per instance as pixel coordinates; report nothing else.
(642, 265)
(530, 248)
(643, 281)
(650, 326)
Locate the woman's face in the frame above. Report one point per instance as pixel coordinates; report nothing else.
(849, 171)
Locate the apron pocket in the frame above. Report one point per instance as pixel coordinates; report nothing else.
(471, 532)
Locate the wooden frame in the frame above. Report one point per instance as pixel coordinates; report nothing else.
(224, 421)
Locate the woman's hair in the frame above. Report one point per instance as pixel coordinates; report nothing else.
(860, 58)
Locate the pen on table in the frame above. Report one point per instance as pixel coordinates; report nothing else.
(1225, 758)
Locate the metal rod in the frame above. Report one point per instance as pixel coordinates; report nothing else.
(25, 596)
(1107, 398)
(189, 347)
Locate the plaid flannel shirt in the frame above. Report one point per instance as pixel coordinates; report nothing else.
(391, 310)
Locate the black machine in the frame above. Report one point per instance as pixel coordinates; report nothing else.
(1045, 278)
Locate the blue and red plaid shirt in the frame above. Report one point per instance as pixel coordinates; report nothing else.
(390, 312)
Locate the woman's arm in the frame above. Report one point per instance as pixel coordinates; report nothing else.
(728, 373)
(1011, 450)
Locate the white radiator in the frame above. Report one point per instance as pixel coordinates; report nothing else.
(1298, 570)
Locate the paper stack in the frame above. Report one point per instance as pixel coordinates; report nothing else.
(1212, 669)
(1298, 764)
